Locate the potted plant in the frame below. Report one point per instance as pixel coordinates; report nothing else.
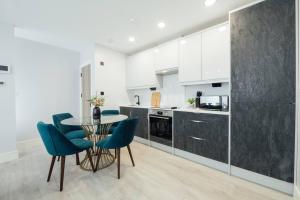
(191, 102)
(96, 101)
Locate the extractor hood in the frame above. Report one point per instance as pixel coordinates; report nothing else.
(167, 71)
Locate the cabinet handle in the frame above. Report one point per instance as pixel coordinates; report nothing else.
(130, 114)
(199, 121)
(196, 138)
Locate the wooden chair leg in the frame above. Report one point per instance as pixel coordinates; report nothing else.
(77, 159)
(129, 150)
(98, 158)
(62, 172)
(58, 158)
(91, 160)
(119, 159)
(51, 168)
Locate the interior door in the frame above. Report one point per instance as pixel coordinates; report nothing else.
(85, 91)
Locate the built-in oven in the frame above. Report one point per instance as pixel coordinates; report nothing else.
(160, 126)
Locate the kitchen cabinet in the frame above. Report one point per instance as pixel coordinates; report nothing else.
(142, 115)
(166, 56)
(216, 53)
(140, 70)
(190, 58)
(263, 80)
(204, 57)
(202, 134)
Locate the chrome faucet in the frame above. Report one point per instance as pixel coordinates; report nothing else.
(138, 99)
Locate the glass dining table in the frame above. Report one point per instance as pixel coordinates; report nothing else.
(95, 131)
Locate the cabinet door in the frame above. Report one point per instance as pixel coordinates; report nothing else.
(146, 68)
(190, 60)
(263, 137)
(202, 134)
(166, 56)
(132, 68)
(125, 111)
(140, 70)
(142, 127)
(216, 53)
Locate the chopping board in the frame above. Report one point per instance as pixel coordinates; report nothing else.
(155, 99)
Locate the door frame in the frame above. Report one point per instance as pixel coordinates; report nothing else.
(80, 85)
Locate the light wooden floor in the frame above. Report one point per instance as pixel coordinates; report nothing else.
(157, 175)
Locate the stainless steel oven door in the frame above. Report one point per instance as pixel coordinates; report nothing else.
(161, 129)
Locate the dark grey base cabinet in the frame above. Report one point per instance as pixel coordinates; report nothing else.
(142, 115)
(202, 134)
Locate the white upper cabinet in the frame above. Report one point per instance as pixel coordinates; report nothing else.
(190, 60)
(140, 70)
(166, 56)
(216, 53)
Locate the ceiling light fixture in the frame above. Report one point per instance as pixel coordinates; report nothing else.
(156, 50)
(161, 25)
(131, 39)
(182, 41)
(222, 28)
(209, 3)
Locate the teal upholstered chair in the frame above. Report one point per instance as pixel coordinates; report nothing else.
(58, 145)
(110, 112)
(71, 132)
(121, 137)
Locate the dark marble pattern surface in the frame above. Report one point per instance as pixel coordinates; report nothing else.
(142, 115)
(263, 52)
(262, 139)
(202, 134)
(263, 88)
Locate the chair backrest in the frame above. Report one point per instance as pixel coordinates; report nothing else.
(123, 134)
(110, 112)
(57, 118)
(56, 143)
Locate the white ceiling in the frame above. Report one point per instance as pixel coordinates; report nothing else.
(107, 22)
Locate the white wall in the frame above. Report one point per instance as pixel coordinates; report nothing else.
(110, 78)
(7, 93)
(47, 82)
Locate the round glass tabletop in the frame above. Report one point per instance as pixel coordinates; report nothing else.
(88, 121)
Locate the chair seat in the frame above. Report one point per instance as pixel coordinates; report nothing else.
(82, 144)
(75, 134)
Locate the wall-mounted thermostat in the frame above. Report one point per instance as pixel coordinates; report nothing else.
(4, 69)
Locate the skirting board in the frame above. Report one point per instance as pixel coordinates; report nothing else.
(296, 193)
(266, 181)
(161, 147)
(141, 140)
(9, 156)
(202, 160)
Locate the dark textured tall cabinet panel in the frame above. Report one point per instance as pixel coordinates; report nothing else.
(142, 115)
(202, 134)
(263, 82)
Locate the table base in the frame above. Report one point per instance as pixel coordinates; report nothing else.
(106, 159)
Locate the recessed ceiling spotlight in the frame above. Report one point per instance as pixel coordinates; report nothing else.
(209, 3)
(156, 50)
(161, 25)
(182, 41)
(222, 28)
(131, 20)
(131, 39)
